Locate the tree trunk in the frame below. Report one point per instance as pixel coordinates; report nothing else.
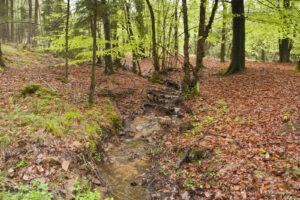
(186, 64)
(131, 36)
(140, 7)
(285, 44)
(94, 35)
(154, 46)
(36, 19)
(298, 66)
(12, 26)
(238, 38)
(106, 24)
(1, 57)
(284, 50)
(67, 42)
(263, 55)
(203, 34)
(29, 36)
(176, 39)
(114, 32)
(223, 39)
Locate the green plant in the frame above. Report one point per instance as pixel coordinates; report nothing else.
(189, 182)
(4, 140)
(295, 171)
(73, 116)
(83, 191)
(21, 164)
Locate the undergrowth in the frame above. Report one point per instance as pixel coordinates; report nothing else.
(40, 108)
(40, 191)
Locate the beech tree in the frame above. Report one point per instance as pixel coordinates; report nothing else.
(238, 38)
(203, 32)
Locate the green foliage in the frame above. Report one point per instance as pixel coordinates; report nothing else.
(34, 191)
(83, 191)
(39, 191)
(21, 164)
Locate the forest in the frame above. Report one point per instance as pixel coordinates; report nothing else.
(149, 99)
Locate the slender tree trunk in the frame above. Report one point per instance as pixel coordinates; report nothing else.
(36, 19)
(107, 36)
(99, 58)
(186, 63)
(12, 26)
(93, 73)
(154, 46)
(1, 57)
(114, 32)
(176, 39)
(140, 7)
(7, 14)
(263, 55)
(29, 36)
(201, 35)
(67, 42)
(131, 37)
(223, 39)
(238, 38)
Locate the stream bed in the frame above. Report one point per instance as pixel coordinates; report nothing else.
(130, 159)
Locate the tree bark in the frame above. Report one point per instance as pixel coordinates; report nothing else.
(176, 39)
(36, 19)
(186, 63)
(154, 46)
(298, 66)
(238, 38)
(223, 37)
(107, 30)
(285, 44)
(94, 35)
(203, 33)
(285, 47)
(131, 36)
(67, 42)
(140, 7)
(12, 26)
(29, 36)
(1, 57)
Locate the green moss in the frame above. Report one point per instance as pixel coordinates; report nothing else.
(39, 90)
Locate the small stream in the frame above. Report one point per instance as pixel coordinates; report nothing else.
(130, 158)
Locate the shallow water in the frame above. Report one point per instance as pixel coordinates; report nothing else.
(129, 160)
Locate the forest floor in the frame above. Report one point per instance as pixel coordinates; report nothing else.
(243, 131)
